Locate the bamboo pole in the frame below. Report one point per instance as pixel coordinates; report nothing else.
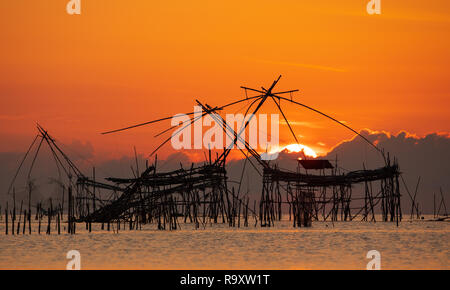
(25, 216)
(49, 221)
(39, 211)
(20, 213)
(6, 219)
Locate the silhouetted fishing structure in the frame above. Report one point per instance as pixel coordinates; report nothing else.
(202, 194)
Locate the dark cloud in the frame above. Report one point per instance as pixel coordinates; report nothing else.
(427, 157)
(41, 169)
(80, 150)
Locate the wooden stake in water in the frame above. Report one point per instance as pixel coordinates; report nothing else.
(59, 225)
(69, 212)
(13, 218)
(39, 218)
(29, 222)
(20, 212)
(24, 220)
(49, 221)
(6, 218)
(30, 188)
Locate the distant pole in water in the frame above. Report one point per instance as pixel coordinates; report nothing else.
(20, 212)
(69, 212)
(30, 188)
(24, 220)
(93, 190)
(49, 221)
(434, 205)
(6, 219)
(443, 202)
(13, 218)
(39, 217)
(59, 225)
(29, 222)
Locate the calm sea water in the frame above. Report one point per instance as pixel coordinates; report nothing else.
(412, 245)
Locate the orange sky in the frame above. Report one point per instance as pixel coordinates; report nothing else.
(124, 62)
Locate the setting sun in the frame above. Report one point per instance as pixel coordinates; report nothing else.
(300, 147)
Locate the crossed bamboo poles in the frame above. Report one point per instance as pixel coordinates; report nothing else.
(260, 99)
